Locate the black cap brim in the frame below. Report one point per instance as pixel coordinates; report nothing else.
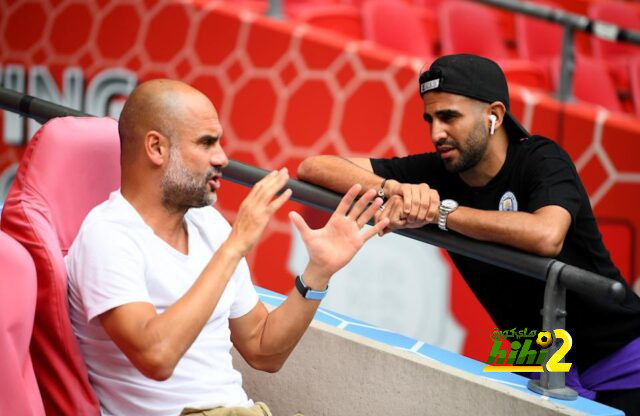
(513, 127)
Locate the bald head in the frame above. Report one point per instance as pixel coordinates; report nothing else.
(161, 105)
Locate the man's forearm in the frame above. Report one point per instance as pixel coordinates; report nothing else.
(336, 173)
(538, 234)
(154, 343)
(284, 326)
(182, 322)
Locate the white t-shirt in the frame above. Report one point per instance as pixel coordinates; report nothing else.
(117, 259)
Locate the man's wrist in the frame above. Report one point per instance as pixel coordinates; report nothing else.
(316, 277)
(231, 249)
(389, 187)
(308, 292)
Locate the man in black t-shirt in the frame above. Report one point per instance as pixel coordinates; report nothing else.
(491, 181)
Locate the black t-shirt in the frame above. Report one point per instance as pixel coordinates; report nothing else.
(536, 173)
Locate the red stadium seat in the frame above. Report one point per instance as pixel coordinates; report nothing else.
(257, 6)
(537, 39)
(397, 25)
(430, 4)
(616, 54)
(20, 394)
(70, 166)
(634, 75)
(467, 27)
(296, 8)
(621, 14)
(339, 18)
(591, 83)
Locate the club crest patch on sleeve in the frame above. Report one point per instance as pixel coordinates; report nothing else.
(508, 202)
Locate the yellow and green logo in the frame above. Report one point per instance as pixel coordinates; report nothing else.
(522, 357)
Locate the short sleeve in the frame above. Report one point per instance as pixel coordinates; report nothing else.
(246, 297)
(552, 179)
(107, 269)
(418, 168)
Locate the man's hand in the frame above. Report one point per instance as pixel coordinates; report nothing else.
(257, 209)
(409, 205)
(331, 247)
(393, 209)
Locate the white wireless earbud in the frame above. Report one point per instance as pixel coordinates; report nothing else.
(493, 119)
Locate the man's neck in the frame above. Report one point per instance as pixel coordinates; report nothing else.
(167, 224)
(491, 163)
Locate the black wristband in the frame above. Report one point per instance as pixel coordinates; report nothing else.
(309, 293)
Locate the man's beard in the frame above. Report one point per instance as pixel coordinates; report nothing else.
(183, 189)
(472, 152)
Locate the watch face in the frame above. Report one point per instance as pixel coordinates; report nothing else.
(449, 204)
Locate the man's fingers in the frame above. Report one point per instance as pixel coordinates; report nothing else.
(361, 204)
(347, 199)
(376, 229)
(425, 200)
(369, 212)
(406, 197)
(395, 213)
(258, 187)
(271, 185)
(279, 201)
(376, 216)
(415, 204)
(434, 207)
(300, 224)
(384, 214)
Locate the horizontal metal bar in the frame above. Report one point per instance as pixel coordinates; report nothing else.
(597, 28)
(312, 195)
(35, 108)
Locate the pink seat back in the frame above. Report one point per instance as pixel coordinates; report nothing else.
(396, 25)
(467, 27)
(20, 393)
(70, 166)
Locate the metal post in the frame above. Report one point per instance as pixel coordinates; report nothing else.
(567, 65)
(275, 9)
(554, 315)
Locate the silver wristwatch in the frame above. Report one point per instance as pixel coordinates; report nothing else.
(446, 207)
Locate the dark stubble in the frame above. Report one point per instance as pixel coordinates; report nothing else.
(471, 152)
(184, 189)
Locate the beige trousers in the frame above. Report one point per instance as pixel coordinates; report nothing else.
(260, 409)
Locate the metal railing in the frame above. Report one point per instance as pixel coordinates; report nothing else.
(558, 275)
(571, 22)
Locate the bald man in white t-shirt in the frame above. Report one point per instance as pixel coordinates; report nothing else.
(158, 283)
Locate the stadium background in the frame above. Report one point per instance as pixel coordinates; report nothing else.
(286, 90)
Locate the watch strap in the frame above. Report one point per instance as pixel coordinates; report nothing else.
(309, 293)
(442, 219)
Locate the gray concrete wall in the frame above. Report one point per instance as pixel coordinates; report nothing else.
(333, 372)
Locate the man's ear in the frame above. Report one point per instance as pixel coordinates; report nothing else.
(156, 147)
(497, 109)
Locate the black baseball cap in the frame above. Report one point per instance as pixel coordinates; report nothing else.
(474, 77)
